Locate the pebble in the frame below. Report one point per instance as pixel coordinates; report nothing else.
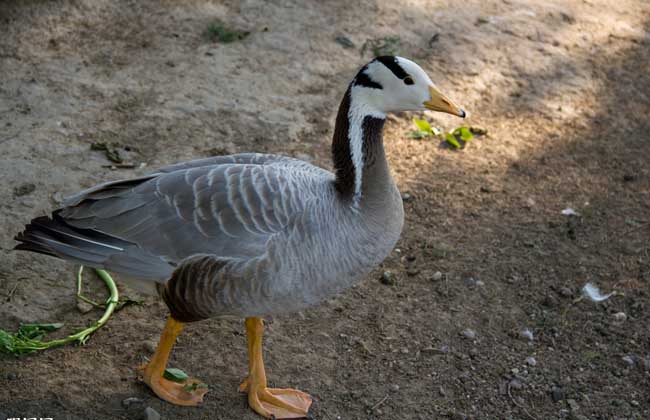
(127, 402)
(458, 416)
(11, 376)
(84, 307)
(620, 317)
(526, 334)
(406, 197)
(150, 346)
(344, 41)
(530, 361)
(388, 278)
(479, 283)
(515, 384)
(634, 403)
(557, 394)
(151, 414)
(469, 334)
(629, 360)
(57, 197)
(394, 387)
(436, 276)
(566, 292)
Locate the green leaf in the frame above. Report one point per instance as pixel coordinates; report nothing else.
(217, 31)
(45, 327)
(451, 139)
(195, 386)
(423, 125)
(466, 134)
(175, 375)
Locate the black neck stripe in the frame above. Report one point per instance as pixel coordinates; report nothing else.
(392, 64)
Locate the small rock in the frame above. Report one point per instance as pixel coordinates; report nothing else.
(151, 414)
(458, 416)
(564, 413)
(515, 384)
(406, 197)
(566, 292)
(526, 334)
(127, 402)
(394, 387)
(57, 197)
(514, 371)
(24, 189)
(629, 177)
(344, 41)
(388, 278)
(479, 283)
(573, 404)
(620, 317)
(486, 189)
(150, 346)
(84, 307)
(11, 376)
(436, 276)
(411, 272)
(469, 334)
(629, 360)
(557, 394)
(634, 403)
(530, 361)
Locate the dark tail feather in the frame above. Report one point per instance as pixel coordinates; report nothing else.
(54, 237)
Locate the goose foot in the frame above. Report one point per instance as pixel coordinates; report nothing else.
(271, 403)
(275, 403)
(189, 392)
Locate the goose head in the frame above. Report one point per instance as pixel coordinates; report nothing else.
(394, 84)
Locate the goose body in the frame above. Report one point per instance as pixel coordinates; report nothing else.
(251, 234)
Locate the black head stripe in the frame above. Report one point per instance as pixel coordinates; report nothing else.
(392, 64)
(364, 80)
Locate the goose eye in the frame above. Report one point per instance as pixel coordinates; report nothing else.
(408, 80)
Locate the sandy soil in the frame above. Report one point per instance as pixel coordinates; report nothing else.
(564, 91)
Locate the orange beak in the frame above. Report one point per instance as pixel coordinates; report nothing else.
(441, 103)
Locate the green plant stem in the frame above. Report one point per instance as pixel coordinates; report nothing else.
(82, 297)
(21, 345)
(112, 301)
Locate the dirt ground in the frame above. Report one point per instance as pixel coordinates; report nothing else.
(564, 91)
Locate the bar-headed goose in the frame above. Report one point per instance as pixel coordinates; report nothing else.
(250, 234)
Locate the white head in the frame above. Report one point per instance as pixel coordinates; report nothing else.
(393, 84)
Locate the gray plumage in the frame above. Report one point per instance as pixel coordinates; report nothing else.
(251, 234)
(275, 226)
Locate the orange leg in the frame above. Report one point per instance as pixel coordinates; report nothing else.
(269, 402)
(173, 392)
